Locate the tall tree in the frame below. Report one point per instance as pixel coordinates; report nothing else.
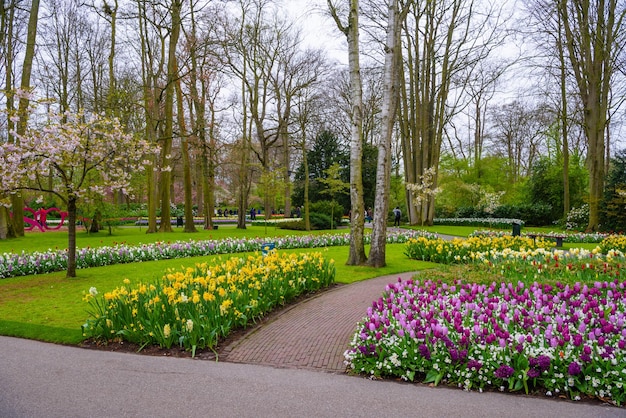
(297, 71)
(443, 41)
(152, 43)
(17, 201)
(519, 136)
(8, 27)
(189, 224)
(357, 212)
(389, 107)
(595, 37)
(168, 134)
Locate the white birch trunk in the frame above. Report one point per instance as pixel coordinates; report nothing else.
(388, 113)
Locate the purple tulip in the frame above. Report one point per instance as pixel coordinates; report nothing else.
(574, 369)
(424, 351)
(474, 364)
(504, 372)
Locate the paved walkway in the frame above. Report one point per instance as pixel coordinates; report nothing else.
(313, 334)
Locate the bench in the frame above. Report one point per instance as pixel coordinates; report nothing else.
(559, 238)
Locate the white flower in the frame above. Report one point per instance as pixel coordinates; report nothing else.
(93, 291)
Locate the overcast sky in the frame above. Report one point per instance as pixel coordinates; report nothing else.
(319, 29)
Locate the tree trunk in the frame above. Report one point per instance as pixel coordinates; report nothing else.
(287, 178)
(591, 35)
(564, 124)
(166, 151)
(6, 33)
(151, 111)
(305, 163)
(4, 222)
(357, 242)
(388, 113)
(71, 237)
(184, 150)
(17, 201)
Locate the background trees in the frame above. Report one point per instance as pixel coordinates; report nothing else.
(238, 92)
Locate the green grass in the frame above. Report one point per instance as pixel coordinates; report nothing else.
(49, 307)
(457, 231)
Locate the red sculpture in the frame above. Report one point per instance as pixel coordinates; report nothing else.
(39, 219)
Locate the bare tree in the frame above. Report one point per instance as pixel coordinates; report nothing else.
(11, 28)
(152, 46)
(297, 71)
(444, 41)
(519, 136)
(17, 201)
(594, 35)
(389, 107)
(351, 31)
(168, 134)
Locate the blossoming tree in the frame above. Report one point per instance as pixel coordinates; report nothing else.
(72, 156)
(423, 192)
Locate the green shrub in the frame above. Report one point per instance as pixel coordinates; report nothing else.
(293, 225)
(536, 214)
(329, 208)
(320, 221)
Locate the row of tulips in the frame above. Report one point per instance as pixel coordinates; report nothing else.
(479, 222)
(463, 250)
(571, 237)
(12, 264)
(198, 306)
(545, 266)
(565, 339)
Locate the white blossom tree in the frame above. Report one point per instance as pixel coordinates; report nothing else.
(85, 154)
(425, 190)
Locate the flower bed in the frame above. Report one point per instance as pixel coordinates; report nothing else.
(564, 339)
(481, 222)
(514, 334)
(551, 266)
(613, 242)
(463, 250)
(12, 264)
(572, 237)
(197, 307)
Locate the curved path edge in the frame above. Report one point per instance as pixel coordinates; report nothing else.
(313, 334)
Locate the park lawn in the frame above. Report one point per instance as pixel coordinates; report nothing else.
(50, 307)
(465, 231)
(455, 231)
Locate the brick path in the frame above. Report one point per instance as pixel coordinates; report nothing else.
(313, 334)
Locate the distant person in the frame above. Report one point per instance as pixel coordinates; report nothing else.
(252, 214)
(397, 214)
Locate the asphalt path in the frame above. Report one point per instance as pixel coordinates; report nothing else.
(47, 380)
